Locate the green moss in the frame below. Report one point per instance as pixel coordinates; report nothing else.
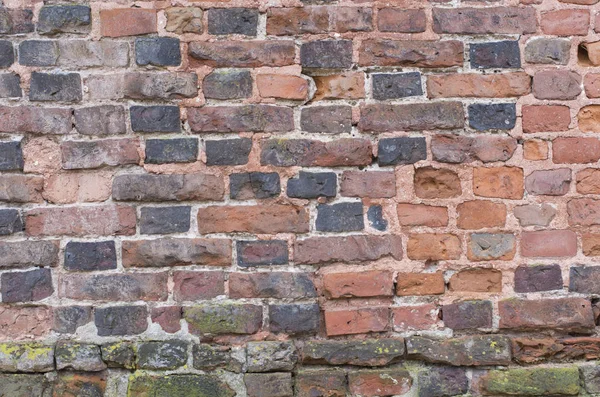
(143, 385)
(534, 381)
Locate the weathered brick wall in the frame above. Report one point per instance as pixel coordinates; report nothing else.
(299, 198)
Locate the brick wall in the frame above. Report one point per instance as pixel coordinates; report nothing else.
(299, 198)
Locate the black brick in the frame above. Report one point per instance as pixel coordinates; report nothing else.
(10, 222)
(403, 150)
(376, 219)
(64, 19)
(157, 51)
(10, 85)
(228, 151)
(233, 21)
(165, 220)
(38, 53)
(178, 150)
(294, 318)
(27, 286)
(11, 156)
(254, 185)
(501, 54)
(121, 320)
(326, 54)
(538, 278)
(443, 382)
(227, 84)
(66, 319)
(312, 185)
(7, 54)
(155, 119)
(55, 87)
(396, 85)
(496, 116)
(341, 217)
(89, 256)
(262, 253)
(326, 119)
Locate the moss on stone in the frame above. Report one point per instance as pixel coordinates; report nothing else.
(533, 381)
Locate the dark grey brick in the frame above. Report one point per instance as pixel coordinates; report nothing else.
(169, 354)
(101, 120)
(548, 51)
(538, 278)
(207, 357)
(403, 150)
(7, 54)
(500, 54)
(55, 87)
(326, 54)
(584, 279)
(165, 220)
(443, 382)
(89, 256)
(38, 53)
(341, 217)
(177, 150)
(227, 84)
(376, 219)
(294, 318)
(262, 253)
(495, 116)
(254, 185)
(326, 119)
(10, 85)
(29, 286)
(312, 185)
(64, 19)
(78, 356)
(233, 21)
(228, 151)
(120, 354)
(396, 85)
(468, 315)
(121, 320)
(66, 319)
(155, 119)
(157, 51)
(16, 20)
(11, 156)
(10, 222)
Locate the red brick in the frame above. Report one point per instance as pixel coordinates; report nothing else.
(583, 212)
(196, 285)
(253, 219)
(591, 84)
(358, 284)
(569, 150)
(510, 20)
(101, 220)
(566, 314)
(249, 118)
(242, 54)
(436, 247)
(24, 322)
(316, 250)
(570, 22)
(476, 280)
(409, 284)
(401, 20)
(501, 85)
(588, 181)
(554, 182)
(425, 54)
(351, 19)
(422, 215)
(371, 383)
(356, 321)
(177, 252)
(546, 118)
(556, 84)
(467, 149)
(500, 182)
(548, 244)
(38, 120)
(434, 183)
(415, 318)
(282, 86)
(297, 20)
(120, 22)
(347, 85)
(368, 184)
(128, 287)
(168, 317)
(480, 214)
(535, 149)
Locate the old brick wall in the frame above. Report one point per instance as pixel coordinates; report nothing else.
(272, 198)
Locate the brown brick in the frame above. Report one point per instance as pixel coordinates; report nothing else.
(478, 85)
(347, 85)
(22, 188)
(568, 22)
(535, 149)
(120, 22)
(317, 250)
(566, 314)
(500, 182)
(114, 287)
(35, 120)
(590, 243)
(351, 19)
(401, 20)
(491, 246)
(253, 219)
(588, 181)
(95, 154)
(297, 20)
(100, 220)
(242, 54)
(467, 149)
(476, 280)
(433, 183)
(436, 247)
(282, 86)
(556, 84)
(250, 118)
(591, 85)
(468, 315)
(356, 321)
(196, 285)
(279, 285)
(583, 212)
(177, 252)
(546, 118)
(379, 382)
(358, 284)
(589, 118)
(409, 284)
(24, 322)
(309, 153)
(168, 317)
(480, 214)
(325, 383)
(422, 215)
(573, 150)
(425, 54)
(411, 117)
(549, 244)
(368, 184)
(554, 182)
(492, 20)
(415, 318)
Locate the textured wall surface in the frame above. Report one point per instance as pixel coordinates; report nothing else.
(272, 198)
